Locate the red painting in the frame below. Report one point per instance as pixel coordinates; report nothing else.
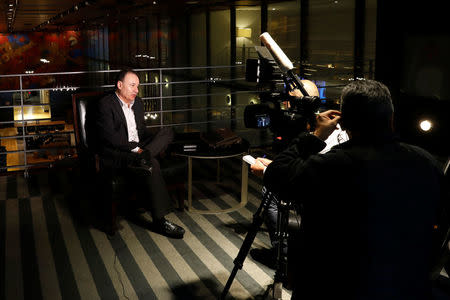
(39, 53)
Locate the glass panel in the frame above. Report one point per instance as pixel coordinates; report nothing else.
(220, 37)
(132, 39)
(284, 27)
(198, 40)
(152, 41)
(370, 38)
(49, 155)
(165, 41)
(9, 83)
(176, 117)
(6, 117)
(152, 118)
(49, 140)
(6, 99)
(331, 44)
(248, 28)
(11, 159)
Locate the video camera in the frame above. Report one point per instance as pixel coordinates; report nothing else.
(284, 114)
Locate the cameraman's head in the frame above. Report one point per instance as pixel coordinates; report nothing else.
(310, 88)
(367, 110)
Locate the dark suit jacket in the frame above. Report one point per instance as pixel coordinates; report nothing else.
(367, 215)
(112, 134)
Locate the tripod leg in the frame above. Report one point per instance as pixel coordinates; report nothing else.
(281, 239)
(248, 241)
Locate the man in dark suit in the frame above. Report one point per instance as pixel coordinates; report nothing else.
(126, 147)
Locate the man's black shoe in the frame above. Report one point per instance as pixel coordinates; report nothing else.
(169, 229)
(265, 256)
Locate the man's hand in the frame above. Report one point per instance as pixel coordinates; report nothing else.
(259, 166)
(326, 123)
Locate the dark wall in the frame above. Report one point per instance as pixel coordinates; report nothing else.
(407, 33)
(412, 59)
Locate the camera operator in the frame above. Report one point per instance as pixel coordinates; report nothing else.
(368, 205)
(268, 256)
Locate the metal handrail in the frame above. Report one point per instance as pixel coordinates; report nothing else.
(24, 135)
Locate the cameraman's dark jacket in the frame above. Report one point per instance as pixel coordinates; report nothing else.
(367, 214)
(112, 134)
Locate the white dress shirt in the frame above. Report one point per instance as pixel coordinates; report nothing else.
(131, 122)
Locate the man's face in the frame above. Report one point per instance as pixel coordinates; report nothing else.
(128, 88)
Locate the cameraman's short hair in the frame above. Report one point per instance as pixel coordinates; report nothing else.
(121, 75)
(366, 105)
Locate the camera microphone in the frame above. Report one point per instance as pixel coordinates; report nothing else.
(283, 62)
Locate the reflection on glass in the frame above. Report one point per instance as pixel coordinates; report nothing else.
(248, 27)
(283, 25)
(34, 112)
(220, 37)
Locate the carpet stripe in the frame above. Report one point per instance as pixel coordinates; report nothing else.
(72, 261)
(3, 187)
(211, 256)
(30, 270)
(133, 272)
(192, 258)
(250, 275)
(11, 187)
(223, 221)
(32, 183)
(22, 188)
(192, 286)
(242, 216)
(116, 273)
(66, 277)
(152, 275)
(262, 274)
(235, 218)
(145, 238)
(2, 248)
(96, 265)
(46, 264)
(81, 271)
(13, 263)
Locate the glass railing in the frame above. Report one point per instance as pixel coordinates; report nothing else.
(36, 116)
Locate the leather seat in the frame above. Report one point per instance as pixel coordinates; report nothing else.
(112, 187)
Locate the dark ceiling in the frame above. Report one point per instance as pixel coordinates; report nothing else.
(54, 15)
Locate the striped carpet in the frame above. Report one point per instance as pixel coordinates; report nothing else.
(49, 252)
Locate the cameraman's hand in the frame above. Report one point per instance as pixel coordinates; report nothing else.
(326, 123)
(296, 93)
(259, 166)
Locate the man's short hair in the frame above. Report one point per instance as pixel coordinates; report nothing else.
(121, 75)
(366, 105)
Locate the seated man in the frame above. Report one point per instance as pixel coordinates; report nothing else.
(127, 148)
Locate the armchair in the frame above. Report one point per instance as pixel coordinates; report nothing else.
(104, 189)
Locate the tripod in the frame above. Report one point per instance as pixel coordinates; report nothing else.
(281, 236)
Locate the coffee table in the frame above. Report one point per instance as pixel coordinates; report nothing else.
(219, 155)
